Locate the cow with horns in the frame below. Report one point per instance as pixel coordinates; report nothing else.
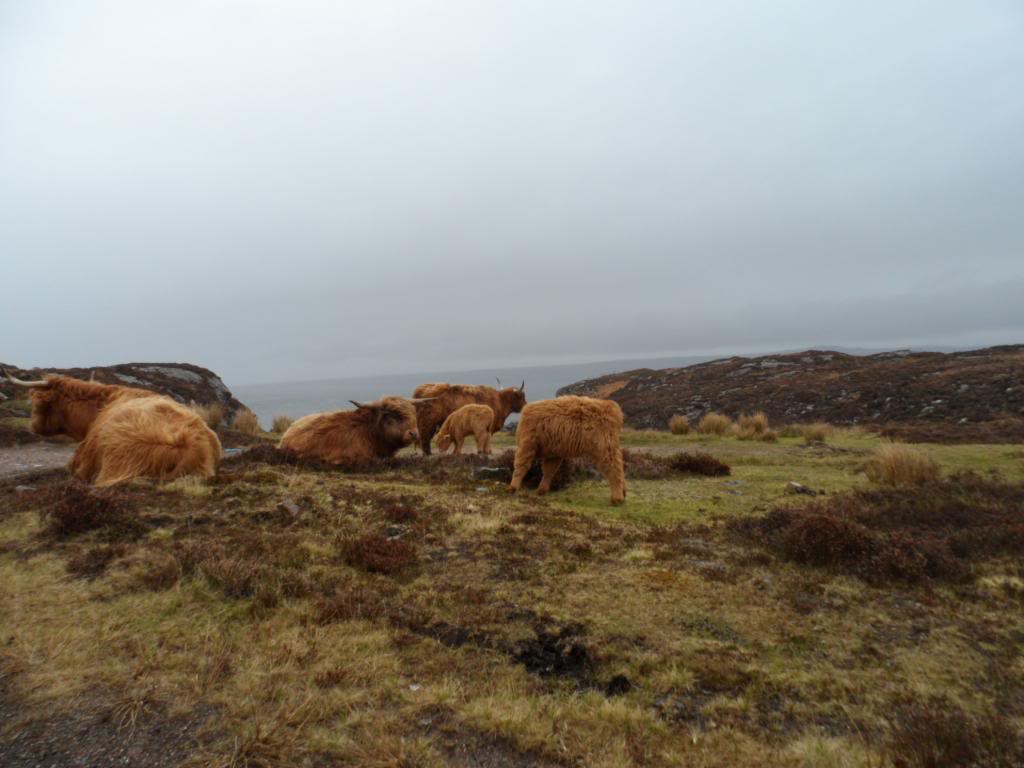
(445, 399)
(372, 431)
(124, 432)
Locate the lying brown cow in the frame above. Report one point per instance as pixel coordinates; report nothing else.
(569, 428)
(475, 420)
(124, 432)
(351, 438)
(445, 399)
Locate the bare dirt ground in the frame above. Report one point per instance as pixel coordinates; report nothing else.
(33, 457)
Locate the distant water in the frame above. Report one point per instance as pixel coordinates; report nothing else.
(301, 397)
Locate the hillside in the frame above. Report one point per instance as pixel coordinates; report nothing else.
(975, 395)
(182, 381)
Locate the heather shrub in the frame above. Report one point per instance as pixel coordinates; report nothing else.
(679, 425)
(714, 424)
(900, 465)
(375, 553)
(648, 466)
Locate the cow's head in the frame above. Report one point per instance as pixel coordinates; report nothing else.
(513, 398)
(392, 420)
(62, 405)
(444, 441)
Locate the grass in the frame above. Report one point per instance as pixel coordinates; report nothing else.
(404, 618)
(714, 424)
(281, 423)
(212, 413)
(897, 464)
(245, 421)
(679, 425)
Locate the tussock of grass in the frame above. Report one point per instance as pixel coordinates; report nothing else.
(245, 421)
(714, 424)
(281, 424)
(897, 464)
(817, 432)
(212, 413)
(679, 425)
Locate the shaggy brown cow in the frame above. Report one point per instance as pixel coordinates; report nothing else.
(475, 420)
(568, 428)
(351, 438)
(124, 432)
(448, 398)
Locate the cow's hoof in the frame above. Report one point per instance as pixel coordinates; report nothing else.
(511, 489)
(541, 491)
(618, 502)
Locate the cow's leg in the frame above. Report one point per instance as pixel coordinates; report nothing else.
(426, 435)
(549, 468)
(526, 452)
(85, 462)
(611, 467)
(458, 444)
(483, 443)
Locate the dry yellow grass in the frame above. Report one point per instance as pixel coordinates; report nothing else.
(679, 425)
(818, 432)
(897, 464)
(281, 424)
(755, 428)
(212, 413)
(714, 424)
(246, 421)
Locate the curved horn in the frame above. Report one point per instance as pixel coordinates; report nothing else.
(522, 386)
(357, 404)
(421, 399)
(499, 381)
(22, 383)
(92, 375)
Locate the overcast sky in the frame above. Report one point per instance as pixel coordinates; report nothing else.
(291, 190)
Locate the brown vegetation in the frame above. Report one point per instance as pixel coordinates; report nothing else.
(375, 553)
(897, 464)
(714, 424)
(929, 532)
(281, 424)
(212, 414)
(816, 432)
(679, 424)
(245, 421)
(649, 466)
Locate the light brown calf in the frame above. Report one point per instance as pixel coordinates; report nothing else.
(468, 420)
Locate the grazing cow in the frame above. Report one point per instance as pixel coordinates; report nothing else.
(124, 432)
(475, 420)
(448, 398)
(351, 438)
(568, 428)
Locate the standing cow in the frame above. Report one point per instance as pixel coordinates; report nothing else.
(352, 438)
(475, 420)
(570, 427)
(445, 399)
(124, 432)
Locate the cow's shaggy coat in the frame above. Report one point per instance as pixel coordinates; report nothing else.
(352, 438)
(475, 420)
(124, 432)
(448, 398)
(570, 428)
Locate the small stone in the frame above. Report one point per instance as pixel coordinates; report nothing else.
(289, 506)
(499, 474)
(24, 488)
(794, 487)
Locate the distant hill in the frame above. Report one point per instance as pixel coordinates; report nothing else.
(921, 394)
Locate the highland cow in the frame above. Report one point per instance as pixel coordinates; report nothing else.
(568, 428)
(445, 399)
(475, 420)
(124, 432)
(353, 438)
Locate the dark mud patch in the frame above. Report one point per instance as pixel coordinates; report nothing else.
(96, 733)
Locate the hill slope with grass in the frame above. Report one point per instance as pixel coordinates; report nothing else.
(964, 396)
